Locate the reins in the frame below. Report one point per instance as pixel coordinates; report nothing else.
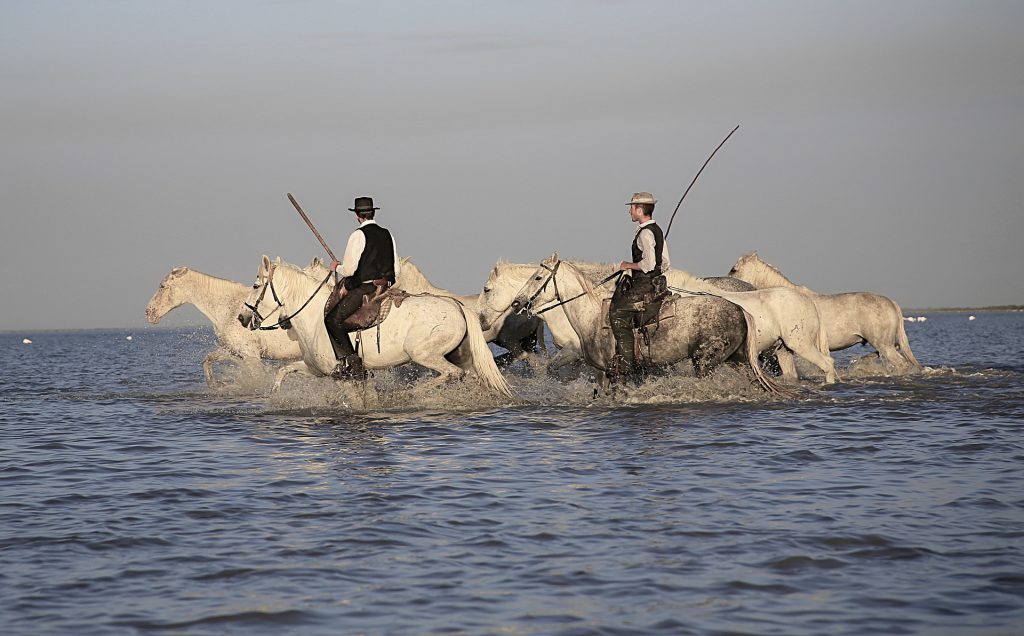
(558, 297)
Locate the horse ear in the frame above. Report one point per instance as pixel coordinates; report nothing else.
(278, 260)
(265, 264)
(316, 262)
(754, 254)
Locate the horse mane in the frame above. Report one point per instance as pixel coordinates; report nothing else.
(207, 281)
(764, 274)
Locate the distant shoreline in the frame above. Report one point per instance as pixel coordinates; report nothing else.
(200, 325)
(963, 310)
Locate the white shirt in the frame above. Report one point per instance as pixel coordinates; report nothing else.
(648, 262)
(354, 250)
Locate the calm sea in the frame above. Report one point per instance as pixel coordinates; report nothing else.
(134, 500)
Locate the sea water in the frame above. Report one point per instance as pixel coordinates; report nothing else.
(136, 500)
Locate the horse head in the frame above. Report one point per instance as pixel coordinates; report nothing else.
(499, 290)
(540, 287)
(168, 295)
(744, 264)
(256, 303)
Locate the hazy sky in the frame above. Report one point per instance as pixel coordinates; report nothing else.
(881, 144)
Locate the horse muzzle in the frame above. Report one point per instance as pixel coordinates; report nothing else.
(520, 308)
(248, 321)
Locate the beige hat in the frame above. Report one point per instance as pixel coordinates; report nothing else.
(642, 197)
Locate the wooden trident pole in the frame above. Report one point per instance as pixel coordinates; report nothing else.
(669, 229)
(310, 224)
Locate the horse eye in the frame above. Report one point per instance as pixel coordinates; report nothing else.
(255, 285)
(487, 290)
(538, 278)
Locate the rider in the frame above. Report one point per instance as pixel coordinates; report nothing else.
(641, 284)
(370, 260)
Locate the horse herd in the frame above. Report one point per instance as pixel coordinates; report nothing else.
(752, 315)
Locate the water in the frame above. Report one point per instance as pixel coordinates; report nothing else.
(137, 501)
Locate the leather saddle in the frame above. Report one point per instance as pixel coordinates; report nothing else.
(374, 308)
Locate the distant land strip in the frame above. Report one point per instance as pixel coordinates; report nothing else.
(936, 310)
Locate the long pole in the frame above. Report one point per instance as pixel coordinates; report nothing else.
(669, 229)
(310, 224)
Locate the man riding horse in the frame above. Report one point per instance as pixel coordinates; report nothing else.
(370, 262)
(638, 294)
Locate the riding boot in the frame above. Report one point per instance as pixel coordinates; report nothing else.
(350, 368)
(625, 341)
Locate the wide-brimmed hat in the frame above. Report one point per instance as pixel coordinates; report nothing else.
(642, 197)
(363, 204)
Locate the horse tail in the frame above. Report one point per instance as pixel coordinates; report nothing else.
(769, 385)
(901, 338)
(483, 359)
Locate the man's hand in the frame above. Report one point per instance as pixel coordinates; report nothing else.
(627, 265)
(334, 265)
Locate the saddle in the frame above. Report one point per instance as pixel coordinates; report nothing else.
(375, 308)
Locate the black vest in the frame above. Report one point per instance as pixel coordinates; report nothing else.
(378, 257)
(659, 247)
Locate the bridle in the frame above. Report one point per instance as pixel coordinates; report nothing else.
(527, 307)
(259, 318)
(283, 323)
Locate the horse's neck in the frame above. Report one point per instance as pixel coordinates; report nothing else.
(215, 298)
(294, 289)
(584, 312)
(767, 276)
(412, 280)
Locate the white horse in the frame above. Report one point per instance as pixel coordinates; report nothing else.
(219, 300)
(850, 318)
(506, 279)
(705, 330)
(427, 330)
(515, 333)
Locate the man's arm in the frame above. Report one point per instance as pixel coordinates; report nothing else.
(398, 261)
(353, 250)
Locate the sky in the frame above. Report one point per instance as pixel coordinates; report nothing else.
(881, 144)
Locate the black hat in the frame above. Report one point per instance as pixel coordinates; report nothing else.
(363, 204)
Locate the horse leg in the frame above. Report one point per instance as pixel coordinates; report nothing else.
(891, 355)
(786, 364)
(808, 351)
(217, 355)
(707, 356)
(294, 367)
(565, 355)
(539, 337)
(433, 359)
